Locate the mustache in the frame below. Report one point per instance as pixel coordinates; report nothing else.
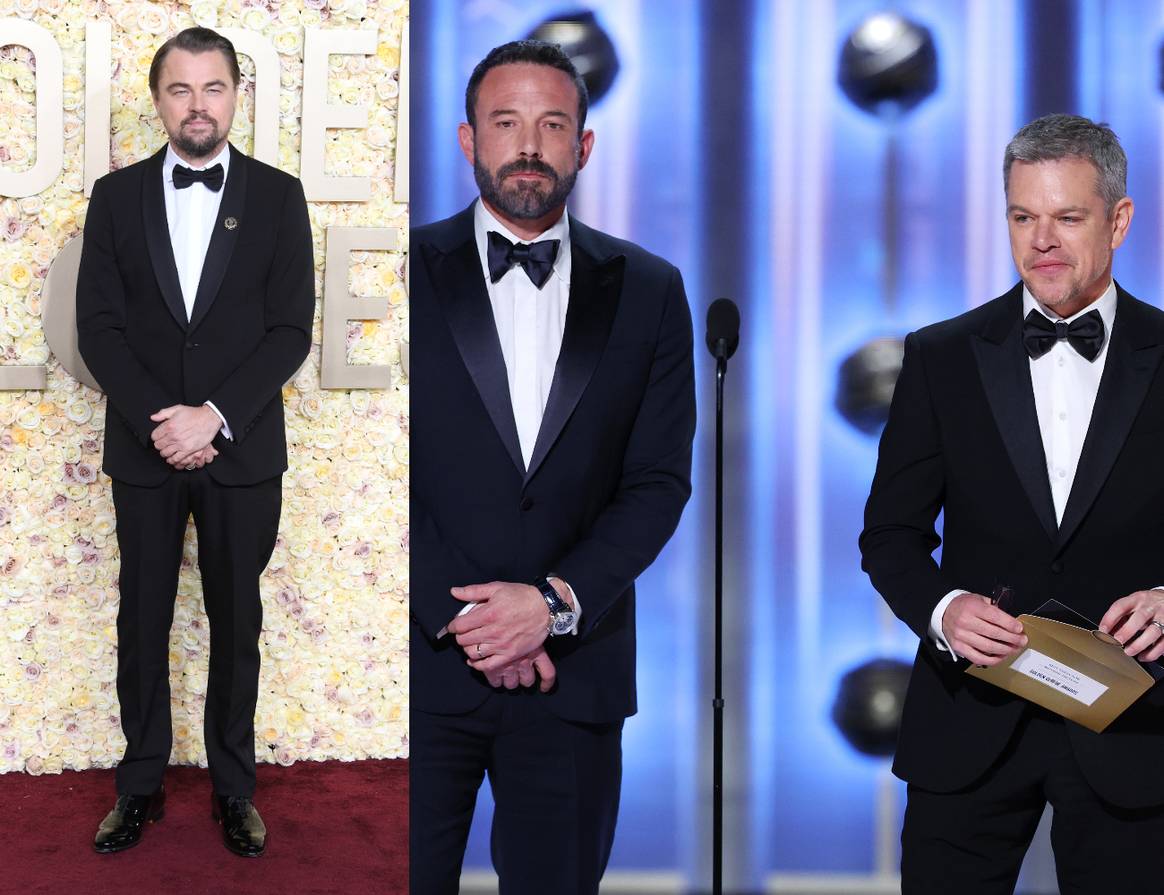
(527, 166)
(192, 118)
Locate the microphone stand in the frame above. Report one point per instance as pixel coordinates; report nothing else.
(717, 701)
(723, 337)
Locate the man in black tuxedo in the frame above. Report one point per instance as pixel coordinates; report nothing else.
(1033, 422)
(552, 414)
(194, 305)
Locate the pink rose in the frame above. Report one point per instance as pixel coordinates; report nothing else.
(14, 229)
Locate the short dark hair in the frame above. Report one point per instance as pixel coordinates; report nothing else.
(194, 40)
(527, 52)
(1059, 136)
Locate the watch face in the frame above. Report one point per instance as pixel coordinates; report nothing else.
(563, 623)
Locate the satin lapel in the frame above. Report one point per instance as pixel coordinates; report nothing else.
(1132, 359)
(157, 234)
(594, 292)
(224, 237)
(1006, 377)
(459, 285)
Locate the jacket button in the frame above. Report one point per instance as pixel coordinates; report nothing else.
(1056, 567)
(527, 503)
(190, 346)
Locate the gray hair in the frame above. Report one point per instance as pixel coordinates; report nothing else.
(1059, 136)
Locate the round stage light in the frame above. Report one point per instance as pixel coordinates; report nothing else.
(888, 64)
(867, 710)
(865, 383)
(588, 46)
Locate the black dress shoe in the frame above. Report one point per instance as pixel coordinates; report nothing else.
(122, 826)
(243, 831)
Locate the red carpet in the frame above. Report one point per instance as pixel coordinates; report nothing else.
(332, 827)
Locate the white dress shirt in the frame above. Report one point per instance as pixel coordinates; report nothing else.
(530, 323)
(191, 214)
(1065, 384)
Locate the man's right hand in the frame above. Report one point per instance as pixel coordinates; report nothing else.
(979, 631)
(525, 671)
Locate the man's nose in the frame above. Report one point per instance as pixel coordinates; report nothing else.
(529, 143)
(1045, 237)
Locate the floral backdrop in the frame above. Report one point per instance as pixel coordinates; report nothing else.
(334, 677)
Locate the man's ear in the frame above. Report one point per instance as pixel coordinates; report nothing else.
(585, 147)
(466, 136)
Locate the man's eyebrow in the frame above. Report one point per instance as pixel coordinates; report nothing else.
(553, 113)
(1070, 209)
(217, 82)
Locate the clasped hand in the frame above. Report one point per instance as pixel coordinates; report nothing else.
(504, 635)
(978, 630)
(184, 436)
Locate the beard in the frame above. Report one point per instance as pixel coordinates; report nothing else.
(523, 200)
(194, 145)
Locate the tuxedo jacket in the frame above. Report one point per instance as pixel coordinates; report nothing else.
(249, 330)
(963, 439)
(607, 480)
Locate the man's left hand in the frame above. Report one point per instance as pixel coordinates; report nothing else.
(525, 672)
(510, 621)
(183, 432)
(1132, 620)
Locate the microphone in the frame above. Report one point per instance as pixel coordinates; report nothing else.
(723, 328)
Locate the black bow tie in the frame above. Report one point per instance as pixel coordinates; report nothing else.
(536, 257)
(212, 177)
(1084, 333)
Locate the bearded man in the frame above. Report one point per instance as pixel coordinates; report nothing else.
(194, 305)
(552, 412)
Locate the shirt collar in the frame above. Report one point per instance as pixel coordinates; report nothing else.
(1105, 304)
(484, 221)
(172, 159)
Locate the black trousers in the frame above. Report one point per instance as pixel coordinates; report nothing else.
(236, 528)
(555, 787)
(973, 841)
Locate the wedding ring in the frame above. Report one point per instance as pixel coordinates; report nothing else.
(191, 466)
(1159, 625)
(479, 656)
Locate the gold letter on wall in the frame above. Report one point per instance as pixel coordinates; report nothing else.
(340, 306)
(50, 109)
(266, 60)
(318, 115)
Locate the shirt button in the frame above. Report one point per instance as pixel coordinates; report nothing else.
(1061, 362)
(1062, 473)
(1062, 416)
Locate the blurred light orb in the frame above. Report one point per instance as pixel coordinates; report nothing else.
(588, 46)
(888, 64)
(867, 710)
(865, 383)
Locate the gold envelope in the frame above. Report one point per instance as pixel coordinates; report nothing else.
(1083, 675)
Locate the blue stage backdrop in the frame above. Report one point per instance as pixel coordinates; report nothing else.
(727, 145)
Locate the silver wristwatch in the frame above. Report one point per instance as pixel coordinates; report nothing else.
(563, 619)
